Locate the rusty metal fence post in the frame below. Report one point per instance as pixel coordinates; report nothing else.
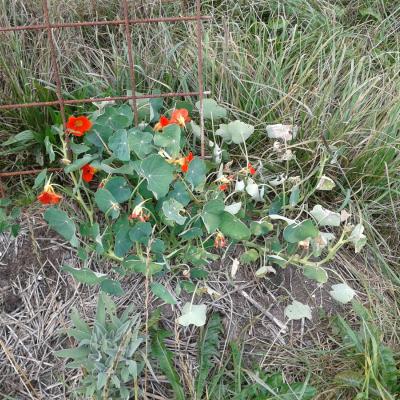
(127, 22)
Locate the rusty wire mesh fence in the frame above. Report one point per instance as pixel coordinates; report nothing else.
(127, 22)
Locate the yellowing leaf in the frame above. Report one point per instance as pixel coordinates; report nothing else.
(298, 310)
(193, 314)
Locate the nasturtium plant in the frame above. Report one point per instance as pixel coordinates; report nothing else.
(156, 208)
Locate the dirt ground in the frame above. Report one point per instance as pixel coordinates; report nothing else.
(36, 299)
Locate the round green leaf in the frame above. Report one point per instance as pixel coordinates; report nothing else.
(98, 135)
(169, 139)
(325, 217)
(261, 228)
(342, 293)
(212, 213)
(233, 227)
(119, 145)
(295, 233)
(135, 264)
(141, 232)
(123, 243)
(179, 193)
(141, 143)
(315, 273)
(249, 256)
(107, 203)
(158, 173)
(62, 224)
(119, 188)
(158, 246)
(212, 110)
(196, 175)
(236, 132)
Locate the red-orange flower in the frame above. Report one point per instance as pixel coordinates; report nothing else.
(180, 117)
(88, 172)
(159, 126)
(186, 161)
(251, 169)
(78, 126)
(48, 196)
(219, 241)
(223, 187)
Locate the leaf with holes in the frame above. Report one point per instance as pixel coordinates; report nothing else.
(283, 132)
(259, 228)
(171, 209)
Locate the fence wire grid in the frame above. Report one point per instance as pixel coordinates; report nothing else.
(48, 26)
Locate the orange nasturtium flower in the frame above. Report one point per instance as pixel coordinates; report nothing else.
(180, 117)
(78, 126)
(219, 241)
(160, 125)
(49, 196)
(88, 173)
(251, 169)
(224, 182)
(185, 161)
